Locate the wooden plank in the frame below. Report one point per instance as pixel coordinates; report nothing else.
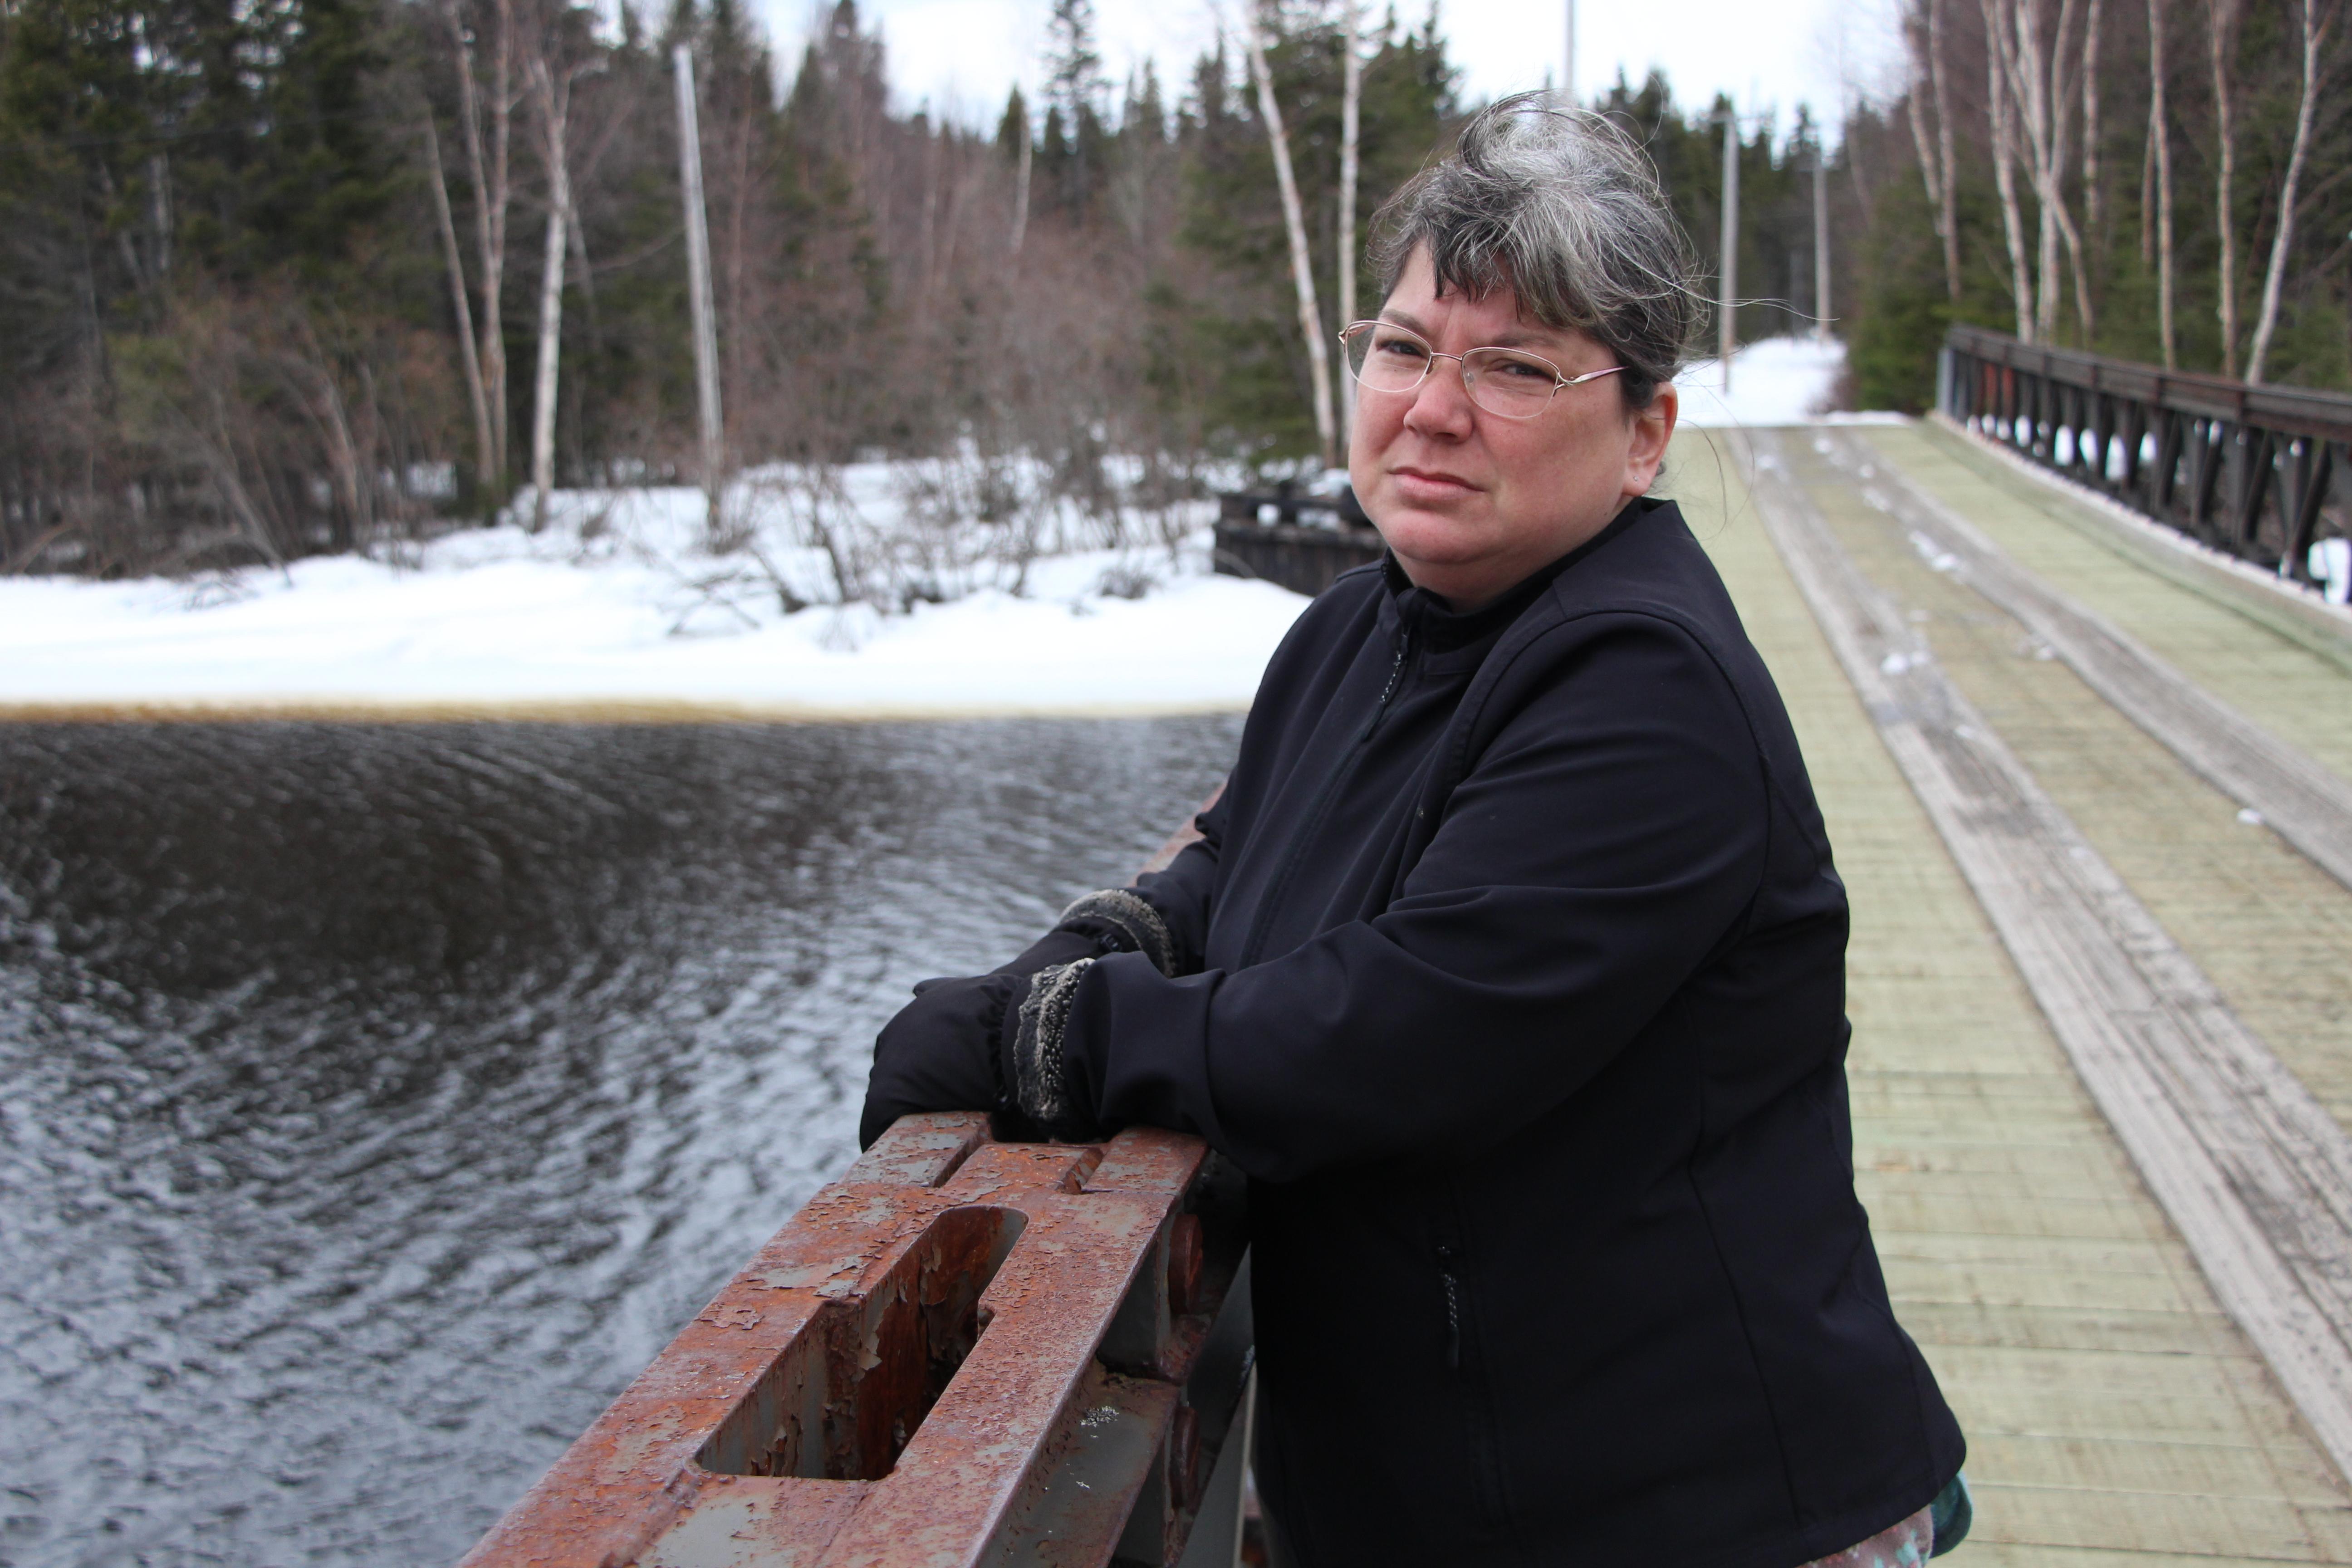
(2205, 1525)
(2289, 608)
(2139, 1466)
(2254, 1173)
(1984, 1553)
(1937, 1001)
(2267, 925)
(2264, 923)
(2303, 802)
(1978, 1323)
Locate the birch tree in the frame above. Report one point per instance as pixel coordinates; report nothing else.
(694, 216)
(1351, 101)
(2219, 16)
(2001, 115)
(2316, 22)
(2159, 136)
(1922, 38)
(2092, 204)
(1302, 267)
(2033, 66)
(1949, 184)
(554, 96)
(469, 353)
(488, 163)
(1933, 170)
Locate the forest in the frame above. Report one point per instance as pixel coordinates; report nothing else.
(322, 274)
(2166, 181)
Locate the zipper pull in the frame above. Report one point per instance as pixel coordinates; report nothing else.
(1396, 678)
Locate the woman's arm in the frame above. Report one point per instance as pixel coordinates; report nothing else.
(942, 1051)
(1607, 842)
(1184, 891)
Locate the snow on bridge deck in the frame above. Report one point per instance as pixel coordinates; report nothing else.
(2116, 1413)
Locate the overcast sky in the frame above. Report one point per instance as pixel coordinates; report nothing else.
(961, 56)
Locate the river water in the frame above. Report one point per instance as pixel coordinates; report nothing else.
(376, 1101)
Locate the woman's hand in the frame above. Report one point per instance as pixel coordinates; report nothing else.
(941, 1052)
(946, 1050)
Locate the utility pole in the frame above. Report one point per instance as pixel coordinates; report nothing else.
(1821, 241)
(1567, 80)
(1021, 183)
(1727, 329)
(698, 285)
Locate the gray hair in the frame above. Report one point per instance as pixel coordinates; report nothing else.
(1561, 208)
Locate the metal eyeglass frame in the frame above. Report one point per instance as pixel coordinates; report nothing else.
(1469, 385)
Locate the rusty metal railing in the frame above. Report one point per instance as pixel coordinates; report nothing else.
(961, 1352)
(2252, 470)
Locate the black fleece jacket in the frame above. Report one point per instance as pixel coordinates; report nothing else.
(1511, 969)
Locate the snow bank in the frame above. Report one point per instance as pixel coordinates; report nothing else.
(614, 610)
(1779, 381)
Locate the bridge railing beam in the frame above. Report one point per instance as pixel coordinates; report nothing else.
(962, 1352)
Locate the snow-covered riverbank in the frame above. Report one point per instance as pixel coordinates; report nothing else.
(617, 611)
(497, 621)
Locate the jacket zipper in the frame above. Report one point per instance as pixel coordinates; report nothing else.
(1453, 1285)
(1483, 1448)
(1323, 798)
(1396, 677)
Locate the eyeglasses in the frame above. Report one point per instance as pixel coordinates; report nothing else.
(1384, 357)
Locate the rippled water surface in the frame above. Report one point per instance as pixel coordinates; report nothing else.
(374, 1101)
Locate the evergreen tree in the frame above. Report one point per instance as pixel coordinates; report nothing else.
(1070, 155)
(1233, 338)
(1013, 126)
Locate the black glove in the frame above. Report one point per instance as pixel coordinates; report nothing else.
(941, 1052)
(952, 1049)
(1121, 921)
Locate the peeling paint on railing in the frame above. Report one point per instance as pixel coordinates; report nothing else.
(962, 1352)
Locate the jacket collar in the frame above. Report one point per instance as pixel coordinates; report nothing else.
(1440, 630)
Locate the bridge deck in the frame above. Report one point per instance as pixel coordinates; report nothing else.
(2116, 1414)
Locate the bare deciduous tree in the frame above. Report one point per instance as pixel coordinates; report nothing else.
(1938, 165)
(1950, 181)
(1351, 107)
(489, 159)
(2159, 140)
(2093, 197)
(2035, 60)
(2316, 20)
(2002, 113)
(1302, 267)
(2220, 16)
(710, 422)
(551, 92)
(1915, 36)
(469, 353)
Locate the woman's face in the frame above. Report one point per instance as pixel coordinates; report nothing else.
(1471, 502)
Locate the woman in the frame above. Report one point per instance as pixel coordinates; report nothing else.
(1510, 965)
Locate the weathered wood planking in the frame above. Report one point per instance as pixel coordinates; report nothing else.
(2287, 609)
(2305, 803)
(2255, 1173)
(2116, 1416)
